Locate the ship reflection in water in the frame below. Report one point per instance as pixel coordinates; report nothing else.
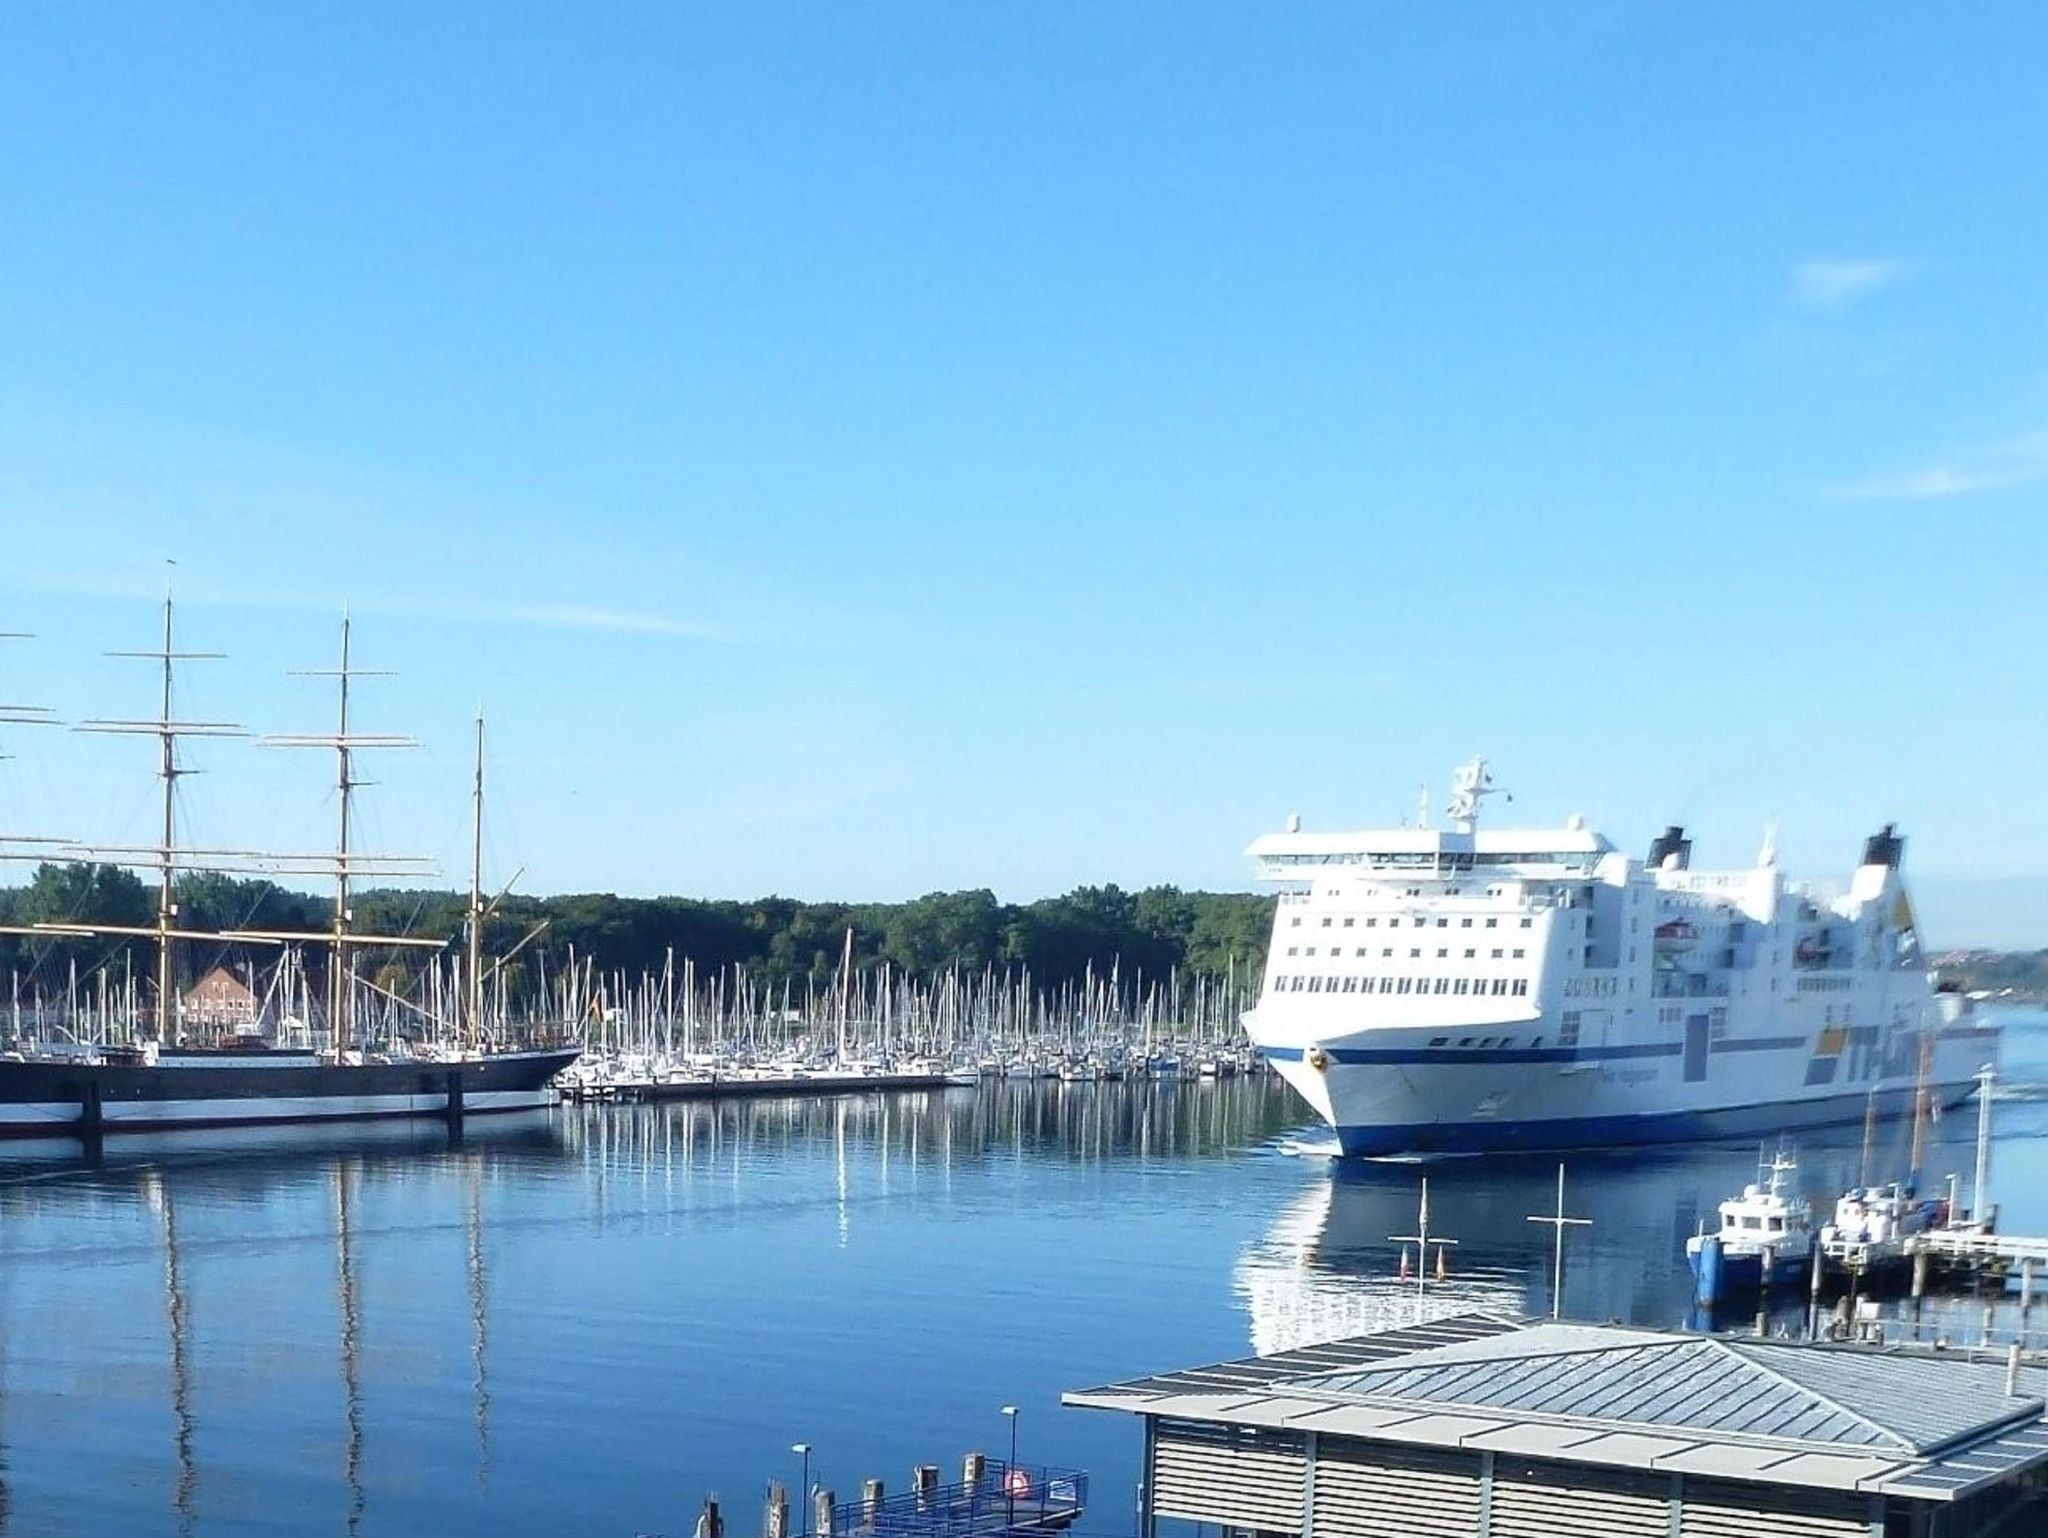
(1329, 1265)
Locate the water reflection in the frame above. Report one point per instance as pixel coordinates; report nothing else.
(177, 1329)
(479, 1312)
(919, 1129)
(582, 1322)
(349, 1331)
(1327, 1267)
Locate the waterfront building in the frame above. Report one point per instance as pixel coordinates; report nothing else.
(1486, 1427)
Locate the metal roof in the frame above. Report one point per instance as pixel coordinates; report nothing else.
(1254, 1372)
(1888, 1402)
(1926, 1425)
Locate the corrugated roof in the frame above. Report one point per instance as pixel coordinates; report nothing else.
(1884, 1402)
(1927, 1402)
(1310, 1361)
(1922, 1424)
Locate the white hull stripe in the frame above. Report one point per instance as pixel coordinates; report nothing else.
(62, 1115)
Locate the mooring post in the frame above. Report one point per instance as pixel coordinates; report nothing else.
(709, 1523)
(1820, 1265)
(972, 1467)
(777, 1524)
(91, 1114)
(924, 1479)
(822, 1504)
(870, 1501)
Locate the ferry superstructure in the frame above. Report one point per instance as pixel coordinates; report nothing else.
(1465, 989)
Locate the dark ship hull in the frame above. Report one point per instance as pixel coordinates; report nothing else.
(53, 1097)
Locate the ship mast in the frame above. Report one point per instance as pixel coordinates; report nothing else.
(20, 846)
(167, 729)
(346, 742)
(168, 859)
(339, 961)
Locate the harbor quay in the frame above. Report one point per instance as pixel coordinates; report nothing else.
(1481, 1426)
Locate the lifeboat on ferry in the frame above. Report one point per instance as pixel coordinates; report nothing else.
(1676, 935)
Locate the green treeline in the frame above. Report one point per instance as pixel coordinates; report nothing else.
(776, 939)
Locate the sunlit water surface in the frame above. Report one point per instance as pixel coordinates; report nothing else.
(586, 1322)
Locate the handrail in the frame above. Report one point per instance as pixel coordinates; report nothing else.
(1007, 1499)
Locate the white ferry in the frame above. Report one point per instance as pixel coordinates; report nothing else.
(1463, 989)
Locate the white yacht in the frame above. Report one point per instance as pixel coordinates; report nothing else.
(1766, 1239)
(1466, 988)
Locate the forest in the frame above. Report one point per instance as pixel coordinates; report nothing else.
(1143, 935)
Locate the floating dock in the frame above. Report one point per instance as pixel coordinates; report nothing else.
(649, 1091)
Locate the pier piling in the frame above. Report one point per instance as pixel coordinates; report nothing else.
(822, 1502)
(972, 1467)
(776, 1524)
(870, 1501)
(924, 1479)
(709, 1523)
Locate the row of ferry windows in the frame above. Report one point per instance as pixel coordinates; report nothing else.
(1516, 987)
(1386, 952)
(1394, 923)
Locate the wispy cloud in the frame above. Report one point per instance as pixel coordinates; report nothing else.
(582, 617)
(1831, 283)
(2017, 461)
(510, 612)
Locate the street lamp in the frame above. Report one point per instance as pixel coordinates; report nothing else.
(803, 1449)
(1010, 1468)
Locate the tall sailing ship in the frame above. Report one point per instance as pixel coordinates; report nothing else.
(159, 1071)
(1464, 989)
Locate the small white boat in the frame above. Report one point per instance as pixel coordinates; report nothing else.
(1765, 1241)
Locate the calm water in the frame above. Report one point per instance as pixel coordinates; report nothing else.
(585, 1323)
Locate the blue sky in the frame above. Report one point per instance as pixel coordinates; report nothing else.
(852, 451)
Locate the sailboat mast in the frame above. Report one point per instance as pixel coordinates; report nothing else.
(474, 978)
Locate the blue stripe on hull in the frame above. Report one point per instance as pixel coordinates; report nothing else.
(1611, 1131)
(1464, 1057)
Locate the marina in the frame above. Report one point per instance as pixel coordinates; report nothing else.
(1030, 771)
